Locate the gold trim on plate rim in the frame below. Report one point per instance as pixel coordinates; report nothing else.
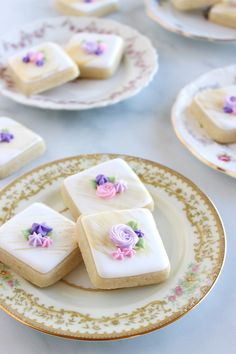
(142, 329)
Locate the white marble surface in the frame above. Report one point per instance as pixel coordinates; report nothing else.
(140, 126)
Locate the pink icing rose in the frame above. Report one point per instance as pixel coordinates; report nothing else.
(47, 242)
(106, 191)
(118, 254)
(129, 252)
(123, 236)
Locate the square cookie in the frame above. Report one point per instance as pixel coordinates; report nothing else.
(39, 244)
(41, 68)
(97, 55)
(111, 185)
(215, 109)
(18, 146)
(224, 14)
(122, 249)
(185, 5)
(87, 7)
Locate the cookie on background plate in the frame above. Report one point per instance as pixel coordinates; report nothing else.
(97, 55)
(18, 146)
(122, 249)
(111, 185)
(87, 7)
(215, 109)
(224, 14)
(186, 5)
(40, 245)
(41, 68)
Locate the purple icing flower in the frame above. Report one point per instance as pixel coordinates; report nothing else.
(36, 240)
(96, 48)
(230, 105)
(121, 186)
(139, 233)
(123, 236)
(42, 229)
(101, 179)
(5, 136)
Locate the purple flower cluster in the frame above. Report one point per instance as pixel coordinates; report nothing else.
(230, 105)
(95, 48)
(36, 58)
(6, 136)
(42, 229)
(39, 235)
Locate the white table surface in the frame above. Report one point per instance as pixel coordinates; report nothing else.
(140, 126)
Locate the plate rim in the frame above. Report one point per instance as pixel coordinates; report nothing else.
(79, 107)
(189, 147)
(152, 327)
(182, 33)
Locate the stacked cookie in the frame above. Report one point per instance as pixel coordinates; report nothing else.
(115, 232)
(47, 65)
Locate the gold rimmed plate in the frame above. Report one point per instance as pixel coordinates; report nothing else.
(191, 230)
(191, 24)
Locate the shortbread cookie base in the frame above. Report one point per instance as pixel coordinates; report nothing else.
(216, 132)
(68, 10)
(118, 282)
(42, 280)
(24, 158)
(59, 78)
(224, 15)
(187, 5)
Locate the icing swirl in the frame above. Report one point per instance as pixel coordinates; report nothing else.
(121, 186)
(106, 191)
(123, 236)
(35, 240)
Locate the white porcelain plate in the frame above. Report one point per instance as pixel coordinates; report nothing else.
(191, 230)
(192, 24)
(137, 69)
(219, 156)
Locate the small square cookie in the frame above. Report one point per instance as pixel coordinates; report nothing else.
(41, 68)
(87, 7)
(39, 244)
(97, 55)
(111, 185)
(224, 14)
(215, 109)
(186, 5)
(18, 146)
(122, 249)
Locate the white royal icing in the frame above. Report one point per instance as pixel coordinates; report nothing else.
(153, 258)
(24, 139)
(114, 44)
(41, 259)
(91, 7)
(83, 193)
(212, 102)
(56, 60)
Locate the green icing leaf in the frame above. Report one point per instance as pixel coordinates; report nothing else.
(112, 179)
(26, 233)
(94, 183)
(141, 243)
(134, 225)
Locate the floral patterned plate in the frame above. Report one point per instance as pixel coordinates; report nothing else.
(191, 230)
(221, 157)
(192, 24)
(135, 72)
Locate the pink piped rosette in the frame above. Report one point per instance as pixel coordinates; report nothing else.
(39, 235)
(127, 239)
(108, 188)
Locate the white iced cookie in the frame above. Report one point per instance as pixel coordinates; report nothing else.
(18, 146)
(41, 68)
(215, 109)
(39, 244)
(97, 55)
(111, 185)
(87, 7)
(122, 249)
(186, 5)
(224, 14)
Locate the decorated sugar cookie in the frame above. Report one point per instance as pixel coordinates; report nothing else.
(185, 5)
(97, 55)
(41, 68)
(87, 7)
(18, 146)
(215, 109)
(111, 185)
(224, 13)
(39, 244)
(122, 249)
